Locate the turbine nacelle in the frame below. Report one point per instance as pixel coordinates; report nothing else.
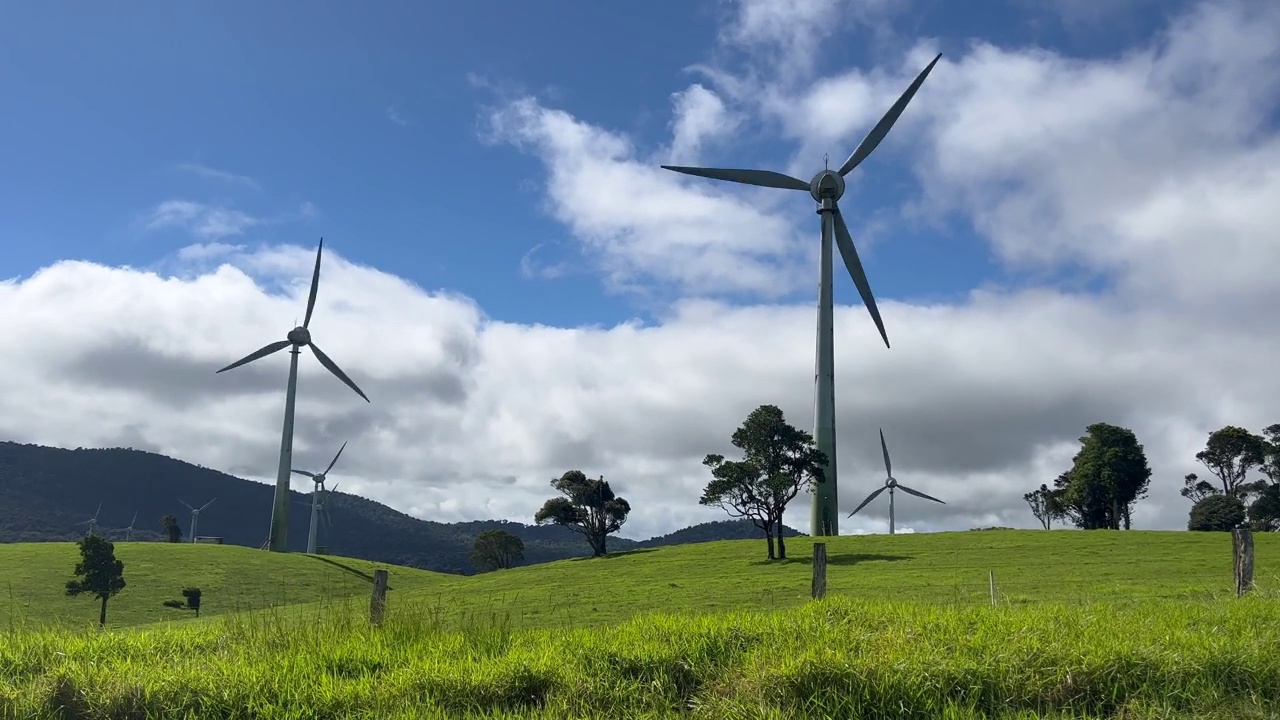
(827, 185)
(890, 483)
(299, 336)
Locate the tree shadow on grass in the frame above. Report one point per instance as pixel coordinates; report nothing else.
(840, 559)
(611, 555)
(347, 568)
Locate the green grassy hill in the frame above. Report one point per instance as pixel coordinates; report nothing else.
(230, 578)
(943, 568)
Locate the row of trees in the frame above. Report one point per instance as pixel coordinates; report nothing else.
(1110, 474)
(779, 461)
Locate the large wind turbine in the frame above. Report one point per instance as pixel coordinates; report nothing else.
(297, 338)
(318, 479)
(890, 484)
(195, 516)
(92, 522)
(826, 188)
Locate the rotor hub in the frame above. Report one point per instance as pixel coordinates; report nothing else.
(318, 479)
(300, 336)
(891, 483)
(826, 185)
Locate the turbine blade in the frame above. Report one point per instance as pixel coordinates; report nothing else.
(762, 178)
(184, 502)
(888, 467)
(917, 493)
(304, 472)
(315, 285)
(331, 490)
(854, 265)
(881, 129)
(207, 504)
(332, 367)
(335, 459)
(870, 497)
(263, 352)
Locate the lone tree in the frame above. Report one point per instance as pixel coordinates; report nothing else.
(496, 550)
(588, 507)
(98, 573)
(172, 530)
(779, 461)
(1216, 512)
(1271, 454)
(1044, 505)
(1195, 489)
(1108, 475)
(1230, 454)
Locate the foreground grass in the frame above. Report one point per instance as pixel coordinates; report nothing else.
(231, 579)
(832, 659)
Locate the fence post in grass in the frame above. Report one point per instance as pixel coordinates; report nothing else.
(378, 602)
(1242, 557)
(991, 580)
(819, 570)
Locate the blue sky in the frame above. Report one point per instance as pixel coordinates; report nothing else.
(1073, 222)
(361, 123)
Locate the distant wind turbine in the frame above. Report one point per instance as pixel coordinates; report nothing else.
(298, 338)
(195, 516)
(92, 522)
(318, 479)
(128, 531)
(890, 484)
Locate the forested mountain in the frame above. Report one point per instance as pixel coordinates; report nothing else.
(45, 492)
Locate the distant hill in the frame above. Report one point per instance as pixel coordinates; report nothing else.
(46, 491)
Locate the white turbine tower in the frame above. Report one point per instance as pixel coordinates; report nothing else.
(128, 531)
(826, 188)
(195, 516)
(297, 338)
(92, 522)
(890, 484)
(318, 480)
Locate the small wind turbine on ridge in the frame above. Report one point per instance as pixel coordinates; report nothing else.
(92, 522)
(299, 337)
(827, 187)
(318, 479)
(890, 484)
(195, 516)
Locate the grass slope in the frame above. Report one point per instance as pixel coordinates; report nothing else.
(948, 568)
(231, 579)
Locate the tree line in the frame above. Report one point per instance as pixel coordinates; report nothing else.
(1110, 474)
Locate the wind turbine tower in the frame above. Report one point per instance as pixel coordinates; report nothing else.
(826, 188)
(298, 338)
(195, 516)
(92, 522)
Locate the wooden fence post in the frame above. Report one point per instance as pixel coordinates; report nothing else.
(819, 570)
(991, 579)
(378, 602)
(1242, 559)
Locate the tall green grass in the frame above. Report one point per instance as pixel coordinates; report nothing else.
(836, 658)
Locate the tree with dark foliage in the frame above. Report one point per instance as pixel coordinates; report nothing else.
(1230, 454)
(1264, 513)
(779, 461)
(497, 550)
(1216, 513)
(172, 530)
(588, 507)
(98, 573)
(1108, 475)
(1044, 505)
(1271, 453)
(1195, 489)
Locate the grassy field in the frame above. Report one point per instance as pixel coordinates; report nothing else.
(230, 579)
(946, 568)
(1096, 624)
(836, 658)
